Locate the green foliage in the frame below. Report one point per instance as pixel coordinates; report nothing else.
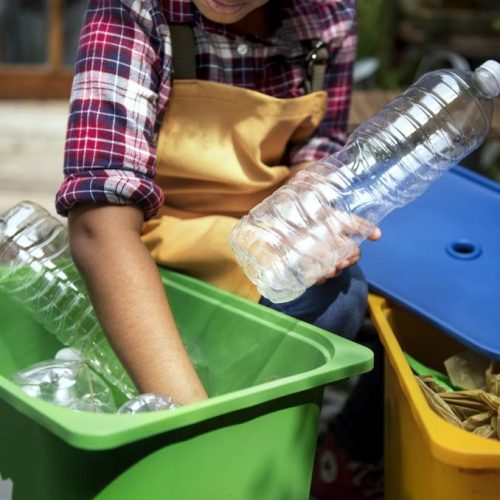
(370, 14)
(376, 29)
(383, 23)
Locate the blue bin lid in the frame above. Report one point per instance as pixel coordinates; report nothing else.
(439, 257)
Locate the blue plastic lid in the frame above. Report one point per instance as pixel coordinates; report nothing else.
(440, 258)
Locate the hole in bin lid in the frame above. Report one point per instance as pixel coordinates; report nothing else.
(463, 249)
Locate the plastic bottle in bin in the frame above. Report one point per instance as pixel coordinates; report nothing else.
(292, 238)
(68, 383)
(37, 271)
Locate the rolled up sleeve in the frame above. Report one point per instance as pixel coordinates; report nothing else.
(110, 153)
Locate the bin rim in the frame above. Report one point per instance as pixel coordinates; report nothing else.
(447, 443)
(106, 431)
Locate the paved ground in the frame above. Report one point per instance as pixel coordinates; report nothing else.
(31, 151)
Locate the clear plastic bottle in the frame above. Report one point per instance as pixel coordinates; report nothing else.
(68, 383)
(37, 271)
(148, 402)
(292, 238)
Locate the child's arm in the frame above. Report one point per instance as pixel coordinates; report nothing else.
(125, 288)
(121, 84)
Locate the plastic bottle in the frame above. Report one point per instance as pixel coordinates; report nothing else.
(68, 383)
(37, 271)
(292, 238)
(146, 403)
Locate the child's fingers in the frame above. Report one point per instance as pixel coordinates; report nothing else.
(352, 259)
(376, 234)
(347, 225)
(361, 226)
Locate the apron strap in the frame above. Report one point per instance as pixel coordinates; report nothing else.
(184, 57)
(315, 67)
(183, 51)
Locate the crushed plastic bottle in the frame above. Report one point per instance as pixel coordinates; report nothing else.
(147, 403)
(295, 236)
(37, 271)
(68, 383)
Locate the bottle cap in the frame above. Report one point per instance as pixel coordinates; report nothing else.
(69, 354)
(488, 75)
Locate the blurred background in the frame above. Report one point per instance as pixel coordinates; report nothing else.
(398, 41)
(38, 43)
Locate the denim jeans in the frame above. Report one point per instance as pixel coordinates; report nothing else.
(340, 306)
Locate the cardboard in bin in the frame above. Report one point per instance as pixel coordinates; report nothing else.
(254, 438)
(439, 257)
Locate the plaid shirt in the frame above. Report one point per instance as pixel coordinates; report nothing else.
(123, 81)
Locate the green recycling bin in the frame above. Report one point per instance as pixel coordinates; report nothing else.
(253, 438)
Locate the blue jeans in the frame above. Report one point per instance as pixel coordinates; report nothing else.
(340, 306)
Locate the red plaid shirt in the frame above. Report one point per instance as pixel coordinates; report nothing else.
(123, 81)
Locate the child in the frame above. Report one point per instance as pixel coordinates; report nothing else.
(176, 132)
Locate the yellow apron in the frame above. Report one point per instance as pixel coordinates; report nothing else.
(219, 153)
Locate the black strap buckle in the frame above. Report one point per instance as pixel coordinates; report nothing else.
(316, 60)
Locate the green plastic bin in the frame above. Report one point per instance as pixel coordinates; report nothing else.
(254, 438)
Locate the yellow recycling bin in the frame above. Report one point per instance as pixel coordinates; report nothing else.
(426, 458)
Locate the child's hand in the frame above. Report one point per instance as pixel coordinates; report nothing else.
(350, 260)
